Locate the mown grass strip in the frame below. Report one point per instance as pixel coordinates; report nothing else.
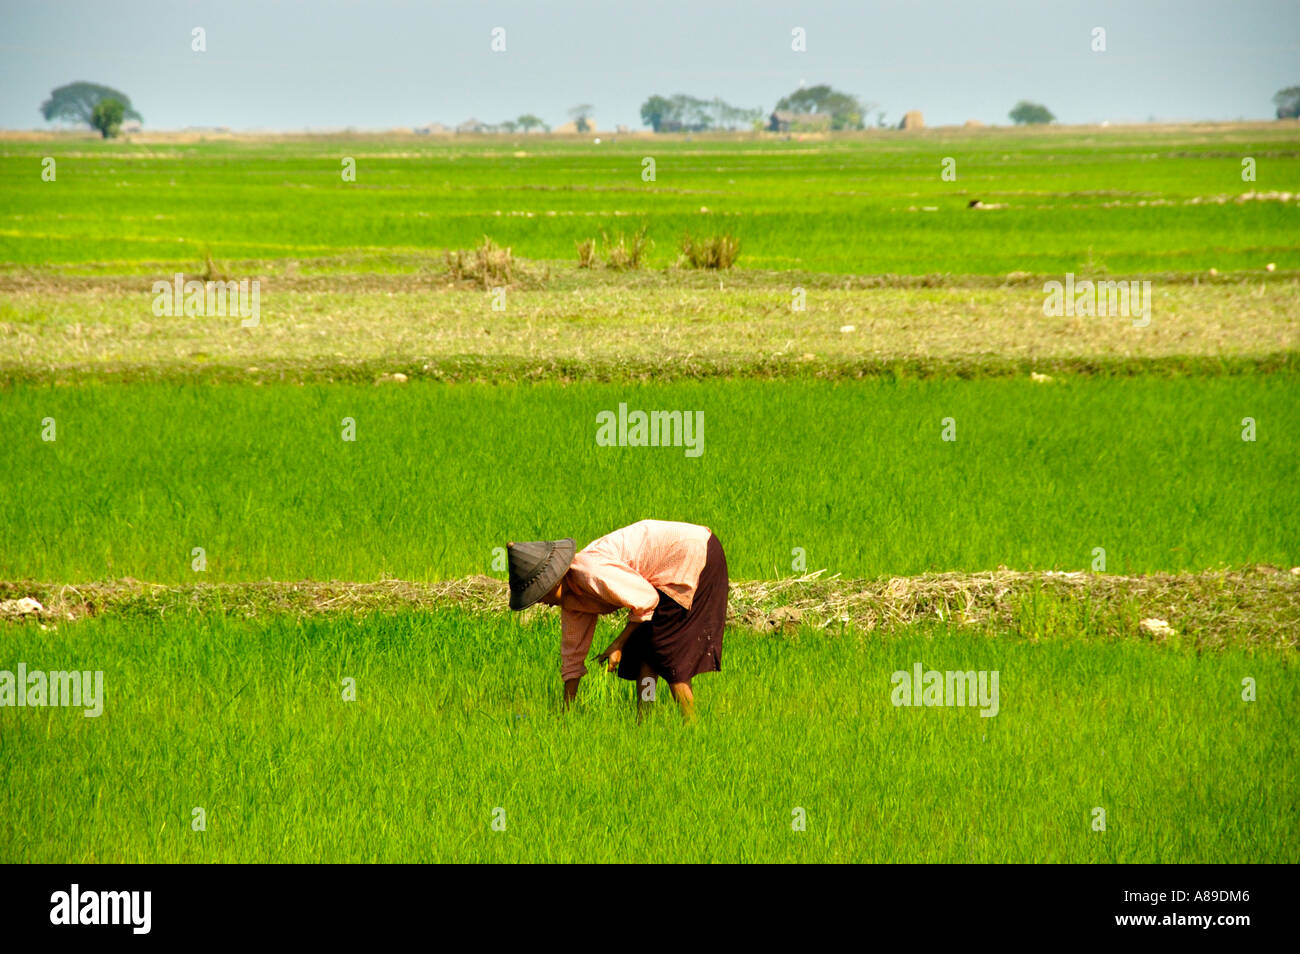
(666, 328)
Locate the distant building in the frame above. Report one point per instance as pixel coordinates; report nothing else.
(785, 121)
(432, 129)
(472, 126)
(132, 126)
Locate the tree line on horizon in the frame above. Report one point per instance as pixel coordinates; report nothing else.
(104, 109)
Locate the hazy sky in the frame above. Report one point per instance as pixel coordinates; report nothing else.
(276, 64)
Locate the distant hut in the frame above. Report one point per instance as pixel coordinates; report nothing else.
(571, 128)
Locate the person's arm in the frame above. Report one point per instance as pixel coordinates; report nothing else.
(611, 582)
(618, 584)
(576, 630)
(614, 651)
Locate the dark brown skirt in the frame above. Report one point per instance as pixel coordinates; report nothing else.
(677, 643)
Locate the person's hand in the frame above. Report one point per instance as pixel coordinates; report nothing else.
(571, 690)
(610, 657)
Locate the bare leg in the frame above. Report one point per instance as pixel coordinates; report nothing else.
(685, 698)
(646, 684)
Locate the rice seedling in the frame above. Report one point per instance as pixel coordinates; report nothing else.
(488, 265)
(712, 251)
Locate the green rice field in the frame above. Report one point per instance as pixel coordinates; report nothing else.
(856, 473)
(455, 726)
(1122, 200)
(907, 460)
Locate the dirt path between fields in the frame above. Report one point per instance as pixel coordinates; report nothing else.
(1253, 606)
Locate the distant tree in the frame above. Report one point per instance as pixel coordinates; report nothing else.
(682, 113)
(76, 103)
(726, 116)
(508, 126)
(582, 116)
(1027, 113)
(655, 111)
(691, 113)
(846, 111)
(528, 122)
(1287, 102)
(107, 117)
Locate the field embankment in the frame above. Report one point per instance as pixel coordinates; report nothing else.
(1257, 607)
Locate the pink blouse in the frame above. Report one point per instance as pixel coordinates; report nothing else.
(627, 568)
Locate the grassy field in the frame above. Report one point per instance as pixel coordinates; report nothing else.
(1095, 200)
(856, 473)
(455, 725)
(131, 439)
